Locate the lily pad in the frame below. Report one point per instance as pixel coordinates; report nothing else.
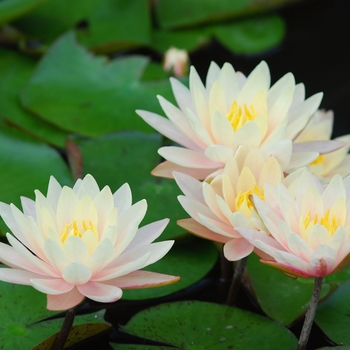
(23, 310)
(171, 14)
(332, 315)
(190, 39)
(15, 71)
(282, 298)
(104, 25)
(190, 259)
(88, 95)
(201, 325)
(11, 9)
(129, 157)
(251, 36)
(27, 165)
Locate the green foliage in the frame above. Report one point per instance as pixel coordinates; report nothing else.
(90, 95)
(201, 325)
(282, 298)
(333, 315)
(15, 71)
(23, 314)
(11, 9)
(27, 164)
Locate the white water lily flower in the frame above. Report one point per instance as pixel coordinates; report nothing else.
(231, 110)
(325, 166)
(221, 203)
(81, 242)
(309, 226)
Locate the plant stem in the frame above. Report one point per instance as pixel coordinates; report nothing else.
(236, 281)
(310, 315)
(66, 327)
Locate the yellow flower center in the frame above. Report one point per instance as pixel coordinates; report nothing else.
(245, 197)
(330, 223)
(318, 160)
(73, 230)
(238, 115)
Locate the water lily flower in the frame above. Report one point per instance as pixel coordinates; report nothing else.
(222, 202)
(212, 121)
(81, 242)
(176, 60)
(309, 226)
(325, 166)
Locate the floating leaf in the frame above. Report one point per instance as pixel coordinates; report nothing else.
(338, 278)
(332, 315)
(27, 165)
(201, 325)
(251, 36)
(190, 259)
(282, 298)
(104, 25)
(15, 71)
(171, 14)
(130, 157)
(189, 40)
(11, 9)
(88, 95)
(22, 309)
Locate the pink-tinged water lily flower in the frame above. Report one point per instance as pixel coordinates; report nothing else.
(212, 121)
(81, 242)
(325, 166)
(309, 226)
(221, 203)
(176, 60)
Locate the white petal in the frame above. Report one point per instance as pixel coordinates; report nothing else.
(76, 273)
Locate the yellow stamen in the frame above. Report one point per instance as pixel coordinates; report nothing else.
(318, 160)
(245, 197)
(72, 230)
(238, 116)
(331, 224)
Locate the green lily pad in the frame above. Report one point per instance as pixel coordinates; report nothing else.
(87, 94)
(11, 9)
(23, 310)
(27, 165)
(251, 36)
(189, 40)
(171, 14)
(201, 325)
(282, 298)
(15, 71)
(332, 315)
(105, 25)
(190, 259)
(129, 157)
(338, 278)
(117, 24)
